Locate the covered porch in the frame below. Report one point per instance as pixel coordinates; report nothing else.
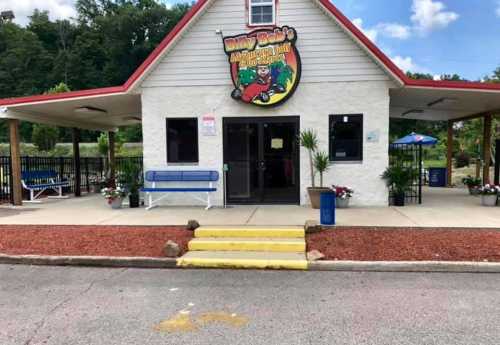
(454, 103)
(101, 110)
(443, 207)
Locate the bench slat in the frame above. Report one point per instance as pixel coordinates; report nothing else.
(160, 190)
(48, 185)
(38, 174)
(182, 176)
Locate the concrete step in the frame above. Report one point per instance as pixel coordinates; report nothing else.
(262, 260)
(293, 245)
(250, 232)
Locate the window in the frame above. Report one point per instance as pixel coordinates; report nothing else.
(346, 137)
(261, 12)
(182, 140)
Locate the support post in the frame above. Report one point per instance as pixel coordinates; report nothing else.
(487, 148)
(420, 172)
(15, 161)
(449, 155)
(497, 162)
(76, 162)
(111, 156)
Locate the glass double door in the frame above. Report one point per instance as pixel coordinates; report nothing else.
(262, 160)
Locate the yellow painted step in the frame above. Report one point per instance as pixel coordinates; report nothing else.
(250, 232)
(249, 260)
(293, 245)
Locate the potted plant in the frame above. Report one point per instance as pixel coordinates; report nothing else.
(489, 195)
(131, 179)
(114, 196)
(309, 140)
(472, 184)
(343, 196)
(398, 179)
(97, 184)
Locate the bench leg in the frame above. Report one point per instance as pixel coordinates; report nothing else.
(151, 202)
(59, 194)
(209, 204)
(33, 197)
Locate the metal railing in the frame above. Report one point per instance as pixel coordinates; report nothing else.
(91, 169)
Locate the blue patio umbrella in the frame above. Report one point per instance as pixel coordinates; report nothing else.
(416, 139)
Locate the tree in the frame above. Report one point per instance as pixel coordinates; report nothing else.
(44, 137)
(24, 62)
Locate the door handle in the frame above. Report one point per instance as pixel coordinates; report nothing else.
(262, 165)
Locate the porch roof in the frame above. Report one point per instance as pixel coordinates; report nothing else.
(103, 112)
(438, 101)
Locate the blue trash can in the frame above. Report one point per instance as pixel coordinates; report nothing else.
(327, 208)
(438, 177)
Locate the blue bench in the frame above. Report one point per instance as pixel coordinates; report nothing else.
(39, 181)
(156, 177)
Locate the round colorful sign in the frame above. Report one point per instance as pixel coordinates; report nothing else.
(265, 65)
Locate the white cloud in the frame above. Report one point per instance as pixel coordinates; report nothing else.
(370, 33)
(408, 65)
(429, 15)
(394, 30)
(58, 9)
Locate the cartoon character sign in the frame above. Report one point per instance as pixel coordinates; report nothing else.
(265, 65)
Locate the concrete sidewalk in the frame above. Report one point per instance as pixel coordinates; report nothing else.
(441, 208)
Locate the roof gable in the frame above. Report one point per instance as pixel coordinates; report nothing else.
(135, 79)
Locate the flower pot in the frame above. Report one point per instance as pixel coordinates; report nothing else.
(399, 199)
(133, 200)
(314, 195)
(489, 200)
(116, 203)
(342, 203)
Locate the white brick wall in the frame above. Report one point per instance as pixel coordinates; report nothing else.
(313, 102)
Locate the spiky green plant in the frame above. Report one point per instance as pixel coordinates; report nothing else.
(398, 178)
(321, 164)
(309, 140)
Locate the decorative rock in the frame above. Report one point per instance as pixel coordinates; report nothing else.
(315, 255)
(193, 225)
(171, 249)
(312, 226)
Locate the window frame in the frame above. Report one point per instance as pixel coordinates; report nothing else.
(196, 138)
(331, 154)
(273, 3)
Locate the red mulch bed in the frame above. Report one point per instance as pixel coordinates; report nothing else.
(90, 240)
(407, 244)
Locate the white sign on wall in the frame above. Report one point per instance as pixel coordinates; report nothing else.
(373, 136)
(208, 125)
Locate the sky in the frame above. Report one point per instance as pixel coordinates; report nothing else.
(427, 36)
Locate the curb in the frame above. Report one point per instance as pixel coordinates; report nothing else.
(96, 261)
(340, 266)
(406, 266)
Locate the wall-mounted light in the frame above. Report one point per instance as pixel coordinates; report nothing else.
(444, 100)
(133, 118)
(412, 111)
(89, 110)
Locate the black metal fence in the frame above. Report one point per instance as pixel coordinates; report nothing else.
(409, 156)
(91, 169)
